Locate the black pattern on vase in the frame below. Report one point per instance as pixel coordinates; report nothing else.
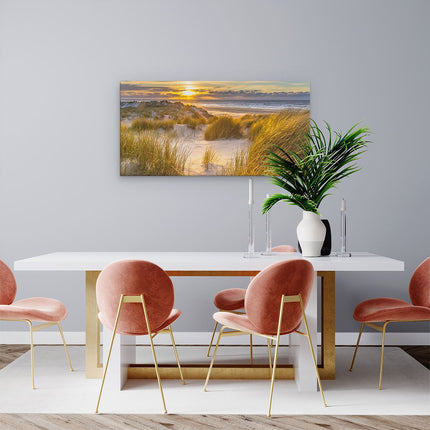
(326, 247)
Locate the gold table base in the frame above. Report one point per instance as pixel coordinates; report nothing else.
(327, 366)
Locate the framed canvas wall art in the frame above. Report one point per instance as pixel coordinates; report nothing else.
(207, 128)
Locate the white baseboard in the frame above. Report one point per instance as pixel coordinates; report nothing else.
(202, 338)
(375, 338)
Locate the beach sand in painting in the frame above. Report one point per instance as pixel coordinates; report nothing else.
(208, 128)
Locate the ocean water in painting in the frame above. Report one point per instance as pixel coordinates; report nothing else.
(197, 128)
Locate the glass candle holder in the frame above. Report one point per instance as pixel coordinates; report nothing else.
(343, 252)
(251, 250)
(268, 250)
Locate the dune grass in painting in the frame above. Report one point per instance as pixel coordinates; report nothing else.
(208, 128)
(223, 127)
(209, 157)
(152, 154)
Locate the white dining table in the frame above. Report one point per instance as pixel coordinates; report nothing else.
(217, 264)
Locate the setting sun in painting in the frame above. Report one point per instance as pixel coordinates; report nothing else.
(188, 93)
(208, 128)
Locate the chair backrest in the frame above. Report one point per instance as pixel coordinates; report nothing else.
(7, 285)
(263, 296)
(133, 278)
(419, 286)
(284, 248)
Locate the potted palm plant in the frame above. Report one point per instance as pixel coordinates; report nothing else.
(308, 173)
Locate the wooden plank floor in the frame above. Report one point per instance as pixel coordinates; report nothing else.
(9, 353)
(201, 422)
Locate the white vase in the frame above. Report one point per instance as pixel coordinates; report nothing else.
(311, 234)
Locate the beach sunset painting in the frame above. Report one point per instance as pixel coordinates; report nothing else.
(208, 128)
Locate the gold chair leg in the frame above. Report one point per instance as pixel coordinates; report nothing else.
(157, 373)
(212, 339)
(269, 345)
(213, 358)
(278, 335)
(272, 383)
(250, 348)
(65, 346)
(153, 354)
(32, 352)
(110, 350)
(382, 354)
(313, 353)
(356, 347)
(176, 354)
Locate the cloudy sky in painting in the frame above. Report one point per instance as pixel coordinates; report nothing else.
(213, 90)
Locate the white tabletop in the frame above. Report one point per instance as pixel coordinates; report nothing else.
(204, 261)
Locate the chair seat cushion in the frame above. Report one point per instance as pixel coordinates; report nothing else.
(230, 299)
(387, 309)
(34, 309)
(174, 315)
(240, 322)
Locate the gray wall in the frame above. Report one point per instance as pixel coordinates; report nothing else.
(60, 67)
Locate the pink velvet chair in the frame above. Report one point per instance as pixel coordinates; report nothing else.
(232, 299)
(49, 312)
(275, 304)
(386, 310)
(135, 298)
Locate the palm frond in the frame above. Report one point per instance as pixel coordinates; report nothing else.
(320, 163)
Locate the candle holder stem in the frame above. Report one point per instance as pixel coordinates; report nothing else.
(343, 252)
(251, 250)
(268, 250)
